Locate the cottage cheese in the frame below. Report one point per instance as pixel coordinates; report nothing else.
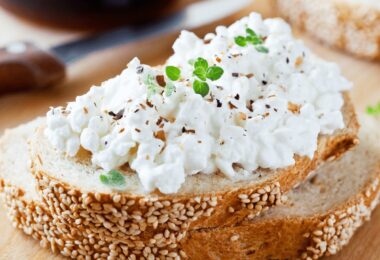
(265, 108)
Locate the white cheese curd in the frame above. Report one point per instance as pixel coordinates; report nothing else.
(265, 108)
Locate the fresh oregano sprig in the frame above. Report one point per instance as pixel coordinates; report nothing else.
(113, 178)
(251, 38)
(203, 71)
(374, 111)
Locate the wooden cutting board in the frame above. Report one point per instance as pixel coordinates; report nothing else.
(21, 107)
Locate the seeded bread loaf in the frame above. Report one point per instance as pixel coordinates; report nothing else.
(71, 191)
(347, 24)
(296, 229)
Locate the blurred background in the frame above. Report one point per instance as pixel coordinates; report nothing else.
(52, 27)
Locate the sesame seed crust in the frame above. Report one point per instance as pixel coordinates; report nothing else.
(353, 28)
(289, 237)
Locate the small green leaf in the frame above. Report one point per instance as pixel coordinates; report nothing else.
(241, 41)
(261, 48)
(152, 87)
(173, 72)
(214, 73)
(103, 179)
(374, 111)
(201, 88)
(251, 32)
(113, 178)
(169, 89)
(201, 63)
(254, 40)
(200, 72)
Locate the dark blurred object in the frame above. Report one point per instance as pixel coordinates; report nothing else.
(92, 14)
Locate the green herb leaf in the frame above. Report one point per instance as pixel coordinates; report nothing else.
(201, 63)
(374, 110)
(104, 179)
(214, 72)
(201, 88)
(261, 48)
(169, 89)
(241, 41)
(173, 72)
(152, 86)
(200, 72)
(251, 32)
(254, 40)
(113, 178)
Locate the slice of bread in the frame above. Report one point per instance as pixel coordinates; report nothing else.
(347, 24)
(319, 217)
(73, 192)
(22, 202)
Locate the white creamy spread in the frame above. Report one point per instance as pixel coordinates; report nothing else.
(264, 109)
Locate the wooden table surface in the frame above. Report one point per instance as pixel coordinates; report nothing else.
(21, 107)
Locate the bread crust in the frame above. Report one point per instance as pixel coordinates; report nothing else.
(257, 238)
(306, 237)
(354, 28)
(165, 220)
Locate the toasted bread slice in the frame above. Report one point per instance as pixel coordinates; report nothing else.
(336, 199)
(353, 26)
(72, 191)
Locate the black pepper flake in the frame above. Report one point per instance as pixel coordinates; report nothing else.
(232, 106)
(161, 80)
(199, 141)
(264, 82)
(250, 105)
(137, 110)
(237, 55)
(149, 104)
(235, 74)
(139, 69)
(159, 121)
(237, 97)
(218, 103)
(267, 106)
(188, 131)
(118, 115)
(137, 130)
(275, 109)
(105, 143)
(287, 60)
(219, 87)
(147, 122)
